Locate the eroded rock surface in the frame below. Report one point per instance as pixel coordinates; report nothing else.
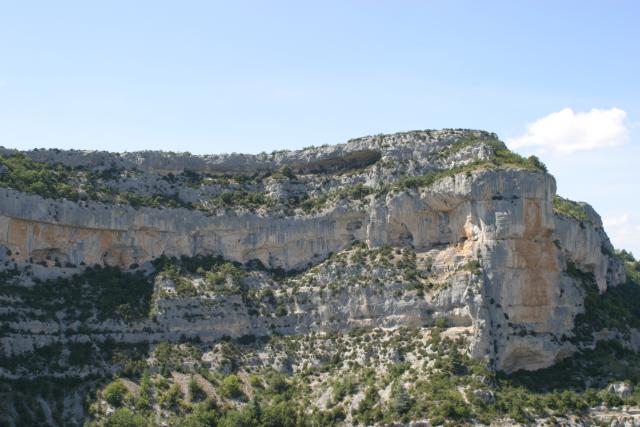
(486, 240)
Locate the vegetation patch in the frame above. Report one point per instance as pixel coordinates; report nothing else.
(441, 384)
(501, 157)
(570, 209)
(616, 309)
(238, 193)
(100, 292)
(23, 174)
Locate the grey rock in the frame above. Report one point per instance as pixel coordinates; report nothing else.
(490, 237)
(621, 390)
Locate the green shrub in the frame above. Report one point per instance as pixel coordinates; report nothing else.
(115, 393)
(397, 369)
(57, 181)
(285, 172)
(170, 399)
(626, 256)
(196, 393)
(282, 414)
(238, 418)
(277, 383)
(185, 288)
(124, 417)
(366, 405)
(502, 157)
(255, 381)
(230, 387)
(241, 198)
(570, 209)
(343, 388)
(611, 400)
(400, 401)
(614, 309)
(106, 292)
(222, 275)
(24, 174)
(146, 392)
(441, 322)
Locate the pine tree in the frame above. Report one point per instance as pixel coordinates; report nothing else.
(401, 402)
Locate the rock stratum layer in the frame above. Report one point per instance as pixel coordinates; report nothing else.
(486, 247)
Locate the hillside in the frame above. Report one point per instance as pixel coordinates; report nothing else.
(428, 276)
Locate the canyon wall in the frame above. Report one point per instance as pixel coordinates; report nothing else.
(520, 303)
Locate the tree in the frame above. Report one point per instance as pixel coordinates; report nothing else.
(144, 402)
(400, 401)
(536, 163)
(455, 363)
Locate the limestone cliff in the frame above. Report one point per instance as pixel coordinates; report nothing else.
(476, 223)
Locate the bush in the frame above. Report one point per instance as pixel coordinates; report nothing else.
(230, 387)
(277, 383)
(195, 391)
(626, 256)
(238, 418)
(611, 400)
(124, 417)
(281, 414)
(106, 292)
(284, 173)
(164, 355)
(115, 393)
(144, 402)
(441, 322)
(343, 388)
(171, 398)
(370, 399)
(570, 209)
(536, 163)
(24, 174)
(255, 381)
(242, 199)
(222, 274)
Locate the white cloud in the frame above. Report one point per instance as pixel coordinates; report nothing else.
(566, 131)
(624, 231)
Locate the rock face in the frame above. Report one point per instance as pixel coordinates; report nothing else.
(488, 235)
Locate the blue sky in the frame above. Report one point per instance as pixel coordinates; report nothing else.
(244, 76)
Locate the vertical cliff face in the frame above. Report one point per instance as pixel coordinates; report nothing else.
(467, 232)
(504, 221)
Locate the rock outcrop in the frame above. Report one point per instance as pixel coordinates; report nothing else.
(486, 236)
